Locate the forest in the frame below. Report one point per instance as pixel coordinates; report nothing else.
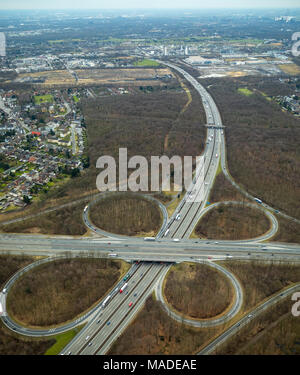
(262, 142)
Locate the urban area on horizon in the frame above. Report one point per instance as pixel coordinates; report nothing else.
(150, 183)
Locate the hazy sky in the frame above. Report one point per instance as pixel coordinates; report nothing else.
(144, 4)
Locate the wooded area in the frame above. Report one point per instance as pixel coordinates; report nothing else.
(126, 214)
(262, 143)
(67, 220)
(197, 290)
(56, 292)
(261, 279)
(227, 222)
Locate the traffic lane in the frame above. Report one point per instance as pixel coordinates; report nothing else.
(121, 310)
(105, 312)
(138, 306)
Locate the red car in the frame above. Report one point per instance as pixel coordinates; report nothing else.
(130, 304)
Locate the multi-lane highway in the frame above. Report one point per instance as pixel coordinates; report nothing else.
(188, 210)
(106, 323)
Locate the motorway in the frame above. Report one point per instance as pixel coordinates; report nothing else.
(138, 249)
(106, 324)
(100, 333)
(212, 346)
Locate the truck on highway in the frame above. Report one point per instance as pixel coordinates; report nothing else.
(112, 255)
(149, 238)
(85, 208)
(166, 232)
(105, 302)
(258, 200)
(123, 287)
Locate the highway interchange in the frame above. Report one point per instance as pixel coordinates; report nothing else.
(106, 323)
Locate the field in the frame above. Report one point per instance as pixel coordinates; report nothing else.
(134, 77)
(197, 291)
(146, 62)
(57, 292)
(62, 339)
(40, 99)
(291, 69)
(232, 223)
(51, 78)
(245, 91)
(126, 214)
(89, 77)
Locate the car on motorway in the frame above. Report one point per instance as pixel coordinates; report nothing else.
(238, 324)
(4, 290)
(90, 343)
(216, 155)
(98, 321)
(130, 304)
(108, 323)
(216, 242)
(87, 337)
(250, 316)
(176, 239)
(135, 294)
(178, 217)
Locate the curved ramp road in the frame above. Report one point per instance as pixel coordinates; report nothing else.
(10, 323)
(105, 324)
(273, 221)
(87, 221)
(210, 348)
(206, 322)
(243, 191)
